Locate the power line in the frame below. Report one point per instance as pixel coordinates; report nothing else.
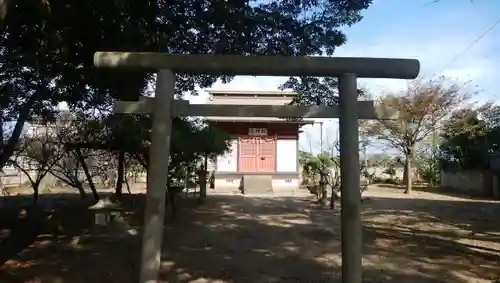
(431, 2)
(459, 55)
(437, 1)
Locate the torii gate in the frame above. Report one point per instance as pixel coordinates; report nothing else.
(163, 108)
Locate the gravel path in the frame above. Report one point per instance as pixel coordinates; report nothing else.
(422, 238)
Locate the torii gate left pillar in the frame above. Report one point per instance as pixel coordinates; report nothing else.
(346, 69)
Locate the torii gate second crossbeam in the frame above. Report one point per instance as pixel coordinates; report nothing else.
(346, 69)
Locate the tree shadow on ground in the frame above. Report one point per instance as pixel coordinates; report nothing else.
(438, 190)
(250, 239)
(459, 236)
(290, 240)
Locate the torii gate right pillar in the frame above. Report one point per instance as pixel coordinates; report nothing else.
(351, 226)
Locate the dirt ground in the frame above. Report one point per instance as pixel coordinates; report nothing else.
(425, 238)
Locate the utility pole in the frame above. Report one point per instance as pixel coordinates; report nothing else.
(321, 137)
(338, 136)
(365, 159)
(434, 148)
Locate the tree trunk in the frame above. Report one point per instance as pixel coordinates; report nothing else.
(323, 190)
(87, 174)
(1, 147)
(332, 200)
(36, 186)
(36, 191)
(8, 148)
(408, 174)
(1, 129)
(121, 174)
(4, 6)
(203, 180)
(81, 191)
(127, 184)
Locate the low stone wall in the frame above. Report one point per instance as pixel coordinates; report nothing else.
(478, 183)
(16, 178)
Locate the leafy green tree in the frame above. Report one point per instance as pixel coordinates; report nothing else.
(391, 171)
(211, 142)
(470, 137)
(191, 142)
(308, 174)
(315, 91)
(316, 173)
(427, 162)
(46, 47)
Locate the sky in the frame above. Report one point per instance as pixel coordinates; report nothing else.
(433, 32)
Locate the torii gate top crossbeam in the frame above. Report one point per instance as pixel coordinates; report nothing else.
(261, 65)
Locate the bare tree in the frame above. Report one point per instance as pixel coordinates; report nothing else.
(68, 168)
(420, 107)
(35, 157)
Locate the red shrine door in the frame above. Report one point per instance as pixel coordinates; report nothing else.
(257, 154)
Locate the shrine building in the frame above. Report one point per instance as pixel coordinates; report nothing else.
(264, 155)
